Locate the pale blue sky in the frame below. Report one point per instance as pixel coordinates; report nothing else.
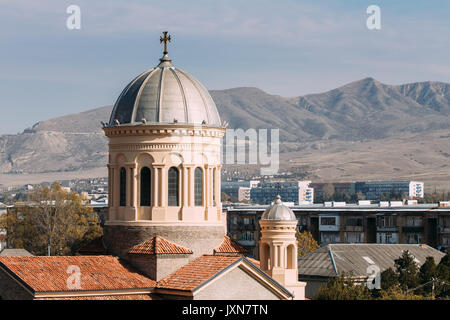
(284, 47)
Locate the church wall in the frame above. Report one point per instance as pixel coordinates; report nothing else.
(168, 263)
(200, 239)
(158, 266)
(11, 290)
(235, 285)
(144, 263)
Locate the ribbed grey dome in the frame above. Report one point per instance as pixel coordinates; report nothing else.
(278, 211)
(165, 95)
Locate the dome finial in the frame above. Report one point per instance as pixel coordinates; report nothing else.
(165, 39)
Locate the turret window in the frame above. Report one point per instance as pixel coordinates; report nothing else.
(146, 187)
(198, 187)
(123, 187)
(174, 188)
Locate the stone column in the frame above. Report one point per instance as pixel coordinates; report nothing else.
(191, 186)
(159, 188)
(155, 187)
(116, 186)
(184, 185)
(133, 189)
(163, 186)
(218, 186)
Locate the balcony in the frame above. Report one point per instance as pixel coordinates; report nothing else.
(444, 229)
(354, 228)
(415, 229)
(387, 229)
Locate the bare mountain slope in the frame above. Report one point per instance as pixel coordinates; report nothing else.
(359, 111)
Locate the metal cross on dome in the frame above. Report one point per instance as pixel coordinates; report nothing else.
(165, 39)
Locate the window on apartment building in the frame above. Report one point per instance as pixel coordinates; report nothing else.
(303, 220)
(444, 221)
(413, 221)
(247, 235)
(386, 221)
(234, 220)
(445, 241)
(328, 221)
(354, 221)
(414, 238)
(355, 237)
(246, 221)
(327, 237)
(387, 237)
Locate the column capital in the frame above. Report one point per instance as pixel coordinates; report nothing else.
(112, 166)
(158, 165)
(185, 165)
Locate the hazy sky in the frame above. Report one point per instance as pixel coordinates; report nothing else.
(283, 47)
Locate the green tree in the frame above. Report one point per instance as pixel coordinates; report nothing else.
(343, 287)
(407, 270)
(443, 275)
(397, 293)
(389, 279)
(53, 221)
(305, 243)
(427, 273)
(328, 192)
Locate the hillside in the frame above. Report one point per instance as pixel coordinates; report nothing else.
(316, 127)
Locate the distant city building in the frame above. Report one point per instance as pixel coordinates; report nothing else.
(338, 187)
(3, 210)
(338, 222)
(375, 189)
(297, 192)
(244, 194)
(371, 190)
(233, 188)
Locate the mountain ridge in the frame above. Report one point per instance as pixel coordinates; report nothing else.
(359, 111)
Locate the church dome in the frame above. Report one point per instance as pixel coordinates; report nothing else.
(165, 95)
(278, 211)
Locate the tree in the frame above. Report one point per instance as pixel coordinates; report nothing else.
(305, 243)
(407, 270)
(427, 274)
(328, 192)
(53, 222)
(389, 279)
(443, 275)
(396, 293)
(343, 287)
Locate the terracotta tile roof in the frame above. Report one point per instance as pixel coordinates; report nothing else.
(230, 246)
(49, 274)
(111, 297)
(159, 245)
(196, 272)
